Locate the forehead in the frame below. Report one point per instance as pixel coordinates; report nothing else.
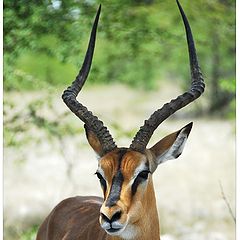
(125, 160)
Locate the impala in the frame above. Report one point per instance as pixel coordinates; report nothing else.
(128, 210)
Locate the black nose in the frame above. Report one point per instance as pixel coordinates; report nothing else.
(115, 217)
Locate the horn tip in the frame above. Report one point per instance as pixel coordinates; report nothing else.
(187, 129)
(179, 6)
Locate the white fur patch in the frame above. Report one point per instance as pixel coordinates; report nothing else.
(175, 150)
(129, 233)
(101, 172)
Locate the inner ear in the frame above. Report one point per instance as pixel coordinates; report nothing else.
(171, 146)
(93, 141)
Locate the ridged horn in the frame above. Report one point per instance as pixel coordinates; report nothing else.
(70, 94)
(143, 136)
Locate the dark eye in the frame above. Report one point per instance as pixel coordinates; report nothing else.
(100, 177)
(143, 175)
(102, 181)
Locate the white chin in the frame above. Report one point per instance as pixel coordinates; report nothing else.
(129, 232)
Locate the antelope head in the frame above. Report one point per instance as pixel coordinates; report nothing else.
(125, 174)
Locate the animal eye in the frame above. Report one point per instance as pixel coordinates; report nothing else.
(143, 175)
(102, 181)
(100, 177)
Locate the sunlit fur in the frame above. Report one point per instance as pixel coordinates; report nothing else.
(138, 210)
(128, 210)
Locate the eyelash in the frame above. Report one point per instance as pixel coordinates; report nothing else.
(102, 181)
(99, 175)
(143, 174)
(141, 177)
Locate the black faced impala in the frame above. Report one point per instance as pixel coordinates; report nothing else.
(128, 210)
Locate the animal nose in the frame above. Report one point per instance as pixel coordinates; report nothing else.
(114, 217)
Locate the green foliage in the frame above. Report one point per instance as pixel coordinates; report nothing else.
(138, 43)
(29, 234)
(228, 84)
(18, 128)
(42, 67)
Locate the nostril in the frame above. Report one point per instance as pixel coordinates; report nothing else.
(105, 218)
(116, 216)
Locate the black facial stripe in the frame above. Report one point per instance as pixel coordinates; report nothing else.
(117, 182)
(115, 191)
(121, 153)
(136, 182)
(104, 185)
(102, 182)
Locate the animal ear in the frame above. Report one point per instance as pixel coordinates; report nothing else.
(171, 146)
(94, 141)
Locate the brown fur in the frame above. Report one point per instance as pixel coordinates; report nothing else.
(73, 219)
(164, 144)
(78, 218)
(129, 208)
(94, 141)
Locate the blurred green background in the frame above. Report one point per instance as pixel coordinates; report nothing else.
(138, 43)
(140, 48)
